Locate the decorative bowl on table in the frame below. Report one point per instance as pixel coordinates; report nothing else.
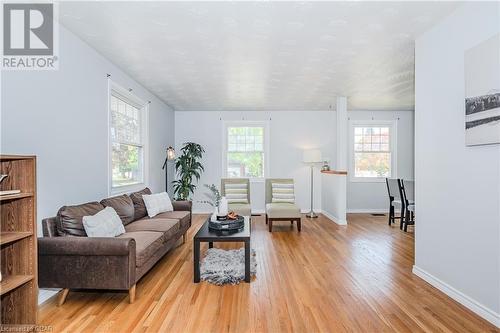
(228, 224)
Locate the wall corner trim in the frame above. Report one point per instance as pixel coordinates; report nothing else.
(458, 296)
(334, 218)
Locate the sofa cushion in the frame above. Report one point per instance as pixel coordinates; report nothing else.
(282, 210)
(146, 244)
(139, 206)
(167, 226)
(69, 218)
(123, 206)
(182, 216)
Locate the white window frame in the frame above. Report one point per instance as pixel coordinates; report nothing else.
(143, 106)
(245, 123)
(393, 133)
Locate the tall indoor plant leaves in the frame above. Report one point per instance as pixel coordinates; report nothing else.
(188, 168)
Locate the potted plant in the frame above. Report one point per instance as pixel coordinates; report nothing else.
(188, 167)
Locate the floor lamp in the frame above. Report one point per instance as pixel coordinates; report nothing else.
(170, 157)
(311, 157)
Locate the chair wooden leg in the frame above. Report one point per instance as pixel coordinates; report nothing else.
(184, 238)
(267, 219)
(402, 217)
(62, 296)
(131, 294)
(299, 225)
(391, 214)
(270, 225)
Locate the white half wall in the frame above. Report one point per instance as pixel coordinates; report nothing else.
(61, 116)
(372, 196)
(290, 133)
(457, 240)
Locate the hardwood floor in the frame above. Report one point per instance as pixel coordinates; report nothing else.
(328, 278)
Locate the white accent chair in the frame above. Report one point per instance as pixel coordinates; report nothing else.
(236, 202)
(280, 211)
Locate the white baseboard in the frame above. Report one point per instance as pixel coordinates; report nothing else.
(201, 212)
(458, 296)
(334, 218)
(307, 210)
(367, 211)
(45, 294)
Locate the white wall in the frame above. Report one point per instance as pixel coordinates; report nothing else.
(290, 133)
(372, 196)
(61, 116)
(457, 246)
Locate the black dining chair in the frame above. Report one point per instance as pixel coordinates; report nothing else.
(394, 198)
(407, 193)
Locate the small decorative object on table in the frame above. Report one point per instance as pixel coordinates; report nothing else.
(223, 210)
(232, 222)
(325, 166)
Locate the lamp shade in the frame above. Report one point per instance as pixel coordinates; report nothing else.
(170, 153)
(312, 156)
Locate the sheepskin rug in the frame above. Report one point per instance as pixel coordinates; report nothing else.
(222, 267)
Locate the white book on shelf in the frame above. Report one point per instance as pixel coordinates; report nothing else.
(8, 192)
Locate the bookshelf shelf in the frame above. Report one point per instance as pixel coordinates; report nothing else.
(12, 236)
(15, 196)
(10, 283)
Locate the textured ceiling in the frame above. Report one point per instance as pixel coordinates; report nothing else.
(262, 55)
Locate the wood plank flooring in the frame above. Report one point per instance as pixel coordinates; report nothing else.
(328, 278)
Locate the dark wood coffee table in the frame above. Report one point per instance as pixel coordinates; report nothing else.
(206, 234)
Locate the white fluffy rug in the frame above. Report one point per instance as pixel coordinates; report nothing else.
(226, 266)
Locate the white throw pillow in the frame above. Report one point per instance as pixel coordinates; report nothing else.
(157, 203)
(105, 223)
(283, 193)
(236, 192)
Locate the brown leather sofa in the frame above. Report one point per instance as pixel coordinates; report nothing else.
(68, 259)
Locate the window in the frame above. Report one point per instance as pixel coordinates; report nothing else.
(245, 153)
(127, 141)
(373, 151)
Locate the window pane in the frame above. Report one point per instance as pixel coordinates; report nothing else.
(125, 121)
(367, 147)
(245, 155)
(384, 131)
(245, 164)
(358, 147)
(358, 131)
(358, 139)
(372, 164)
(127, 168)
(384, 147)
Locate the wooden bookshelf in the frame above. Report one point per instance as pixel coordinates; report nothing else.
(18, 257)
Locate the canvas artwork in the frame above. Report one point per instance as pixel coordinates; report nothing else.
(482, 93)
